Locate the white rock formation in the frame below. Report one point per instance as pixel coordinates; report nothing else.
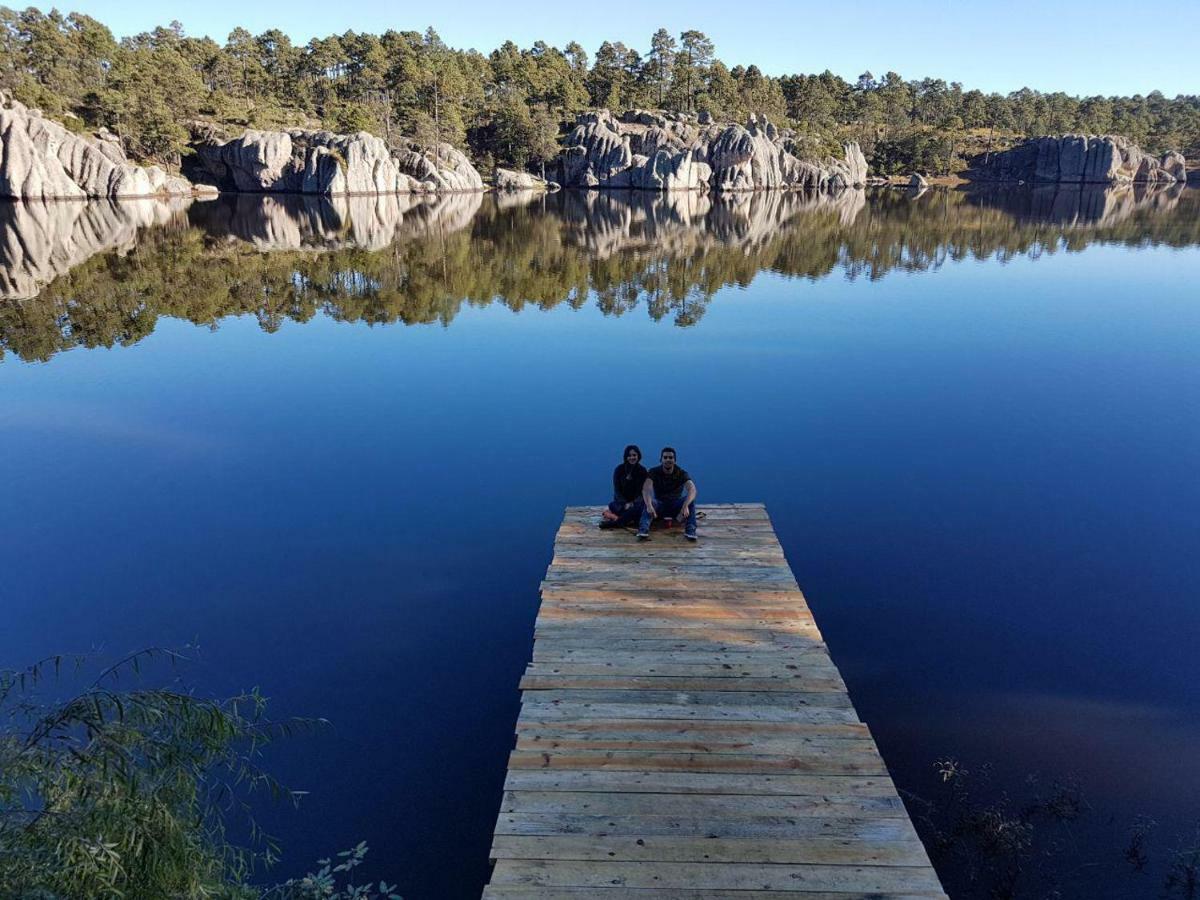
(653, 151)
(1083, 159)
(322, 162)
(510, 180)
(42, 160)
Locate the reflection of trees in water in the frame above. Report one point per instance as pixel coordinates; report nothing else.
(100, 274)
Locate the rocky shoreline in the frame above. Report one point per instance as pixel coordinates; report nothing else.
(42, 160)
(322, 162)
(638, 150)
(643, 150)
(1081, 159)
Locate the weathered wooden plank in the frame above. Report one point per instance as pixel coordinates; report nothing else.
(683, 610)
(659, 628)
(706, 850)
(692, 730)
(812, 653)
(670, 620)
(720, 807)
(764, 670)
(722, 642)
(531, 892)
(641, 552)
(697, 713)
(742, 683)
(640, 782)
(734, 595)
(834, 761)
(669, 575)
(789, 827)
(784, 699)
(716, 876)
(690, 727)
(814, 749)
(685, 734)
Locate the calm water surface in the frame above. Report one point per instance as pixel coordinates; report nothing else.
(331, 443)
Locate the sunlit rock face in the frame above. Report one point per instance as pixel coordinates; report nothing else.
(661, 152)
(511, 181)
(284, 222)
(41, 241)
(329, 164)
(42, 160)
(1080, 159)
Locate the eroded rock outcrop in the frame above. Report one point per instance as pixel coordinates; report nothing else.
(654, 151)
(42, 160)
(1081, 159)
(325, 163)
(509, 180)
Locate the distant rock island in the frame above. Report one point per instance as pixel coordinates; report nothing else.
(1081, 159)
(667, 152)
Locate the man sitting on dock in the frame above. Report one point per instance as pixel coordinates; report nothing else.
(670, 492)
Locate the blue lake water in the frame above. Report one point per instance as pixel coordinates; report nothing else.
(335, 458)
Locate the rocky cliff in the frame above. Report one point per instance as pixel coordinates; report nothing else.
(42, 160)
(329, 164)
(1081, 159)
(653, 151)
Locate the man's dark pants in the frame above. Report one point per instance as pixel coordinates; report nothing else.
(668, 508)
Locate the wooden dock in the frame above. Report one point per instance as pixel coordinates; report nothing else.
(684, 733)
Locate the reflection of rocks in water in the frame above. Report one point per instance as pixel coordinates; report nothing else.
(294, 222)
(517, 199)
(1079, 206)
(41, 241)
(668, 254)
(612, 221)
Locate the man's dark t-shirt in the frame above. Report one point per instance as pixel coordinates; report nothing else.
(669, 487)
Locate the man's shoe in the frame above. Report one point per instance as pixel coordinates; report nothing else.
(690, 535)
(643, 535)
(609, 523)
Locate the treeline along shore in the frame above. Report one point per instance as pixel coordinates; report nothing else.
(404, 112)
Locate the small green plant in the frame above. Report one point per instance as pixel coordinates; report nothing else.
(126, 793)
(998, 845)
(323, 884)
(988, 844)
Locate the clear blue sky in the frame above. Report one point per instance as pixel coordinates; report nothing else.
(1091, 47)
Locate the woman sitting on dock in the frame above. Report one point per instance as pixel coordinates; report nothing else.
(628, 478)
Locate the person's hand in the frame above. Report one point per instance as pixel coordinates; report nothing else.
(682, 515)
(653, 512)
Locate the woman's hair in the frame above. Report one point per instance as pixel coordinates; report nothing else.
(635, 448)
